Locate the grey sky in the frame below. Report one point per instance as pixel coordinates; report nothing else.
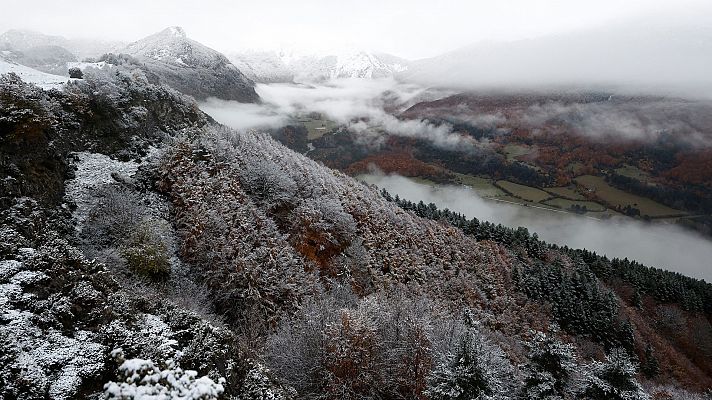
(409, 28)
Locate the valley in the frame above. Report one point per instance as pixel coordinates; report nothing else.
(506, 163)
(271, 208)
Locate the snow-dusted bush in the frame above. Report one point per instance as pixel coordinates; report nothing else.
(265, 180)
(551, 366)
(258, 385)
(613, 379)
(143, 380)
(146, 253)
(476, 369)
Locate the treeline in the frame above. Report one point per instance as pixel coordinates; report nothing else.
(665, 286)
(483, 162)
(685, 199)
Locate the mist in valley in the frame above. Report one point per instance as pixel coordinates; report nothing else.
(654, 244)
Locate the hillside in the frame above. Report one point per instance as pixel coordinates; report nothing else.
(25, 40)
(39, 78)
(191, 67)
(141, 238)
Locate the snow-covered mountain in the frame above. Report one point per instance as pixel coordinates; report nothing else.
(287, 66)
(23, 40)
(191, 67)
(262, 66)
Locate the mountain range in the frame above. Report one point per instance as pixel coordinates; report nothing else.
(147, 250)
(288, 66)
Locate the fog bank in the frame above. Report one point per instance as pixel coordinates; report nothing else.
(364, 106)
(657, 245)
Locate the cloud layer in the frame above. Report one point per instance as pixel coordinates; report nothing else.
(657, 245)
(358, 104)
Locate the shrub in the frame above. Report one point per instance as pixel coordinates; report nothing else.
(142, 379)
(75, 72)
(146, 253)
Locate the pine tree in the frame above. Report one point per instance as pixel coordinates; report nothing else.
(613, 379)
(551, 364)
(477, 369)
(650, 367)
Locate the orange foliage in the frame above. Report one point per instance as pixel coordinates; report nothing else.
(695, 168)
(401, 163)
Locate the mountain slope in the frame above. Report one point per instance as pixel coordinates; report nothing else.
(287, 66)
(49, 59)
(30, 75)
(636, 55)
(191, 67)
(228, 254)
(21, 40)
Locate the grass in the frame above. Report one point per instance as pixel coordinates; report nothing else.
(483, 186)
(512, 151)
(566, 204)
(565, 192)
(616, 197)
(524, 192)
(317, 128)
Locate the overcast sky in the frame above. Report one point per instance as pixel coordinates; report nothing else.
(408, 28)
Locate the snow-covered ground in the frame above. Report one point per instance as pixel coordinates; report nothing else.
(85, 65)
(94, 171)
(30, 75)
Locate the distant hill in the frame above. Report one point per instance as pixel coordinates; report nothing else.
(192, 68)
(635, 56)
(286, 66)
(47, 58)
(22, 40)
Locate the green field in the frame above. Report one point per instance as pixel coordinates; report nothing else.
(483, 186)
(565, 192)
(512, 151)
(317, 128)
(566, 204)
(633, 172)
(615, 197)
(524, 192)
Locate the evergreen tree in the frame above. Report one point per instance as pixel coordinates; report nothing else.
(613, 379)
(551, 364)
(650, 367)
(477, 369)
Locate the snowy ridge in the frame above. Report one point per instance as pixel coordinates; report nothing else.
(172, 46)
(191, 67)
(44, 80)
(287, 66)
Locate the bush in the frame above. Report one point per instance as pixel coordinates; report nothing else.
(142, 379)
(147, 254)
(75, 72)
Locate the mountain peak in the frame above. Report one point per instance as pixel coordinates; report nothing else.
(174, 31)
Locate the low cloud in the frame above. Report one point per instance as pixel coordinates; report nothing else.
(358, 104)
(650, 244)
(243, 116)
(629, 120)
(665, 53)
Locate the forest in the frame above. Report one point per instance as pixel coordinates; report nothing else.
(143, 244)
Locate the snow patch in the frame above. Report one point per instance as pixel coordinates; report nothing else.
(41, 79)
(94, 171)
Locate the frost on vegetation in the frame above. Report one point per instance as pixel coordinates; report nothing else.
(93, 171)
(143, 379)
(259, 385)
(612, 379)
(55, 364)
